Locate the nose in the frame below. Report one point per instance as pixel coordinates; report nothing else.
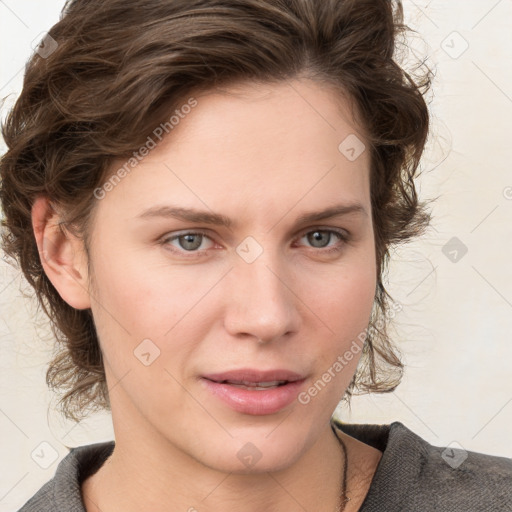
(261, 303)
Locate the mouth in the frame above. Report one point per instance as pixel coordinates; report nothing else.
(254, 376)
(255, 392)
(255, 386)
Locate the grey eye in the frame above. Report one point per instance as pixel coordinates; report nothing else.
(319, 238)
(190, 241)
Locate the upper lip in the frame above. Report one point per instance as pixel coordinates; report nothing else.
(253, 375)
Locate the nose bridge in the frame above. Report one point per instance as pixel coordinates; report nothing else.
(260, 303)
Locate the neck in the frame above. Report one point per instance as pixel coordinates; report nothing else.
(146, 472)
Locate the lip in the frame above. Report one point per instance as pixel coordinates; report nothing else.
(255, 402)
(254, 375)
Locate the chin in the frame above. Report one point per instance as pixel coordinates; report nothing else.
(254, 453)
(252, 463)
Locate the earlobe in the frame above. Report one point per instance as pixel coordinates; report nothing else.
(62, 255)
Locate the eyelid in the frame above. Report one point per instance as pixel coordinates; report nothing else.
(174, 235)
(339, 231)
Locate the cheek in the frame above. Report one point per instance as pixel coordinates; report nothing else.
(343, 296)
(342, 300)
(126, 304)
(138, 300)
(135, 295)
(347, 314)
(355, 298)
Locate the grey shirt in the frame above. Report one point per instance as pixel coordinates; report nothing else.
(412, 475)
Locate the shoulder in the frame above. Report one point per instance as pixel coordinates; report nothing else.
(63, 491)
(415, 475)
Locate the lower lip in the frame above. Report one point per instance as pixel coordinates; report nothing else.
(255, 402)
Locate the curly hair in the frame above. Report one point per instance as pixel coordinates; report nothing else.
(118, 68)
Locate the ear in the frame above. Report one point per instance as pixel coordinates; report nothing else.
(62, 255)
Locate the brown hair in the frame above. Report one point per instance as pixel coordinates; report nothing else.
(118, 68)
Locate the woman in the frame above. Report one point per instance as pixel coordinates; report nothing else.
(203, 194)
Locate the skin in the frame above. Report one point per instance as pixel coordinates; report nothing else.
(261, 155)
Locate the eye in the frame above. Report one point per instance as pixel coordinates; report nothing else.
(321, 238)
(189, 241)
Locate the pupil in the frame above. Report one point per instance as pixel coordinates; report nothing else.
(188, 241)
(317, 236)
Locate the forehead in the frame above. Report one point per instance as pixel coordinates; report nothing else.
(254, 147)
(296, 109)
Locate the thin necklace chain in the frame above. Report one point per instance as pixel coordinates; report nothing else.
(343, 493)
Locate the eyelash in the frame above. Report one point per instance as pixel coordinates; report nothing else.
(344, 237)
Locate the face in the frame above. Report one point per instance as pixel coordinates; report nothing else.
(232, 268)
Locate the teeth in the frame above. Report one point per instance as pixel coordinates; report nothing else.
(256, 385)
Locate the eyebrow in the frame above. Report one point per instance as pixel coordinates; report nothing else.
(202, 216)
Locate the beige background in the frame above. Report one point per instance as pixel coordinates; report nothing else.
(454, 329)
